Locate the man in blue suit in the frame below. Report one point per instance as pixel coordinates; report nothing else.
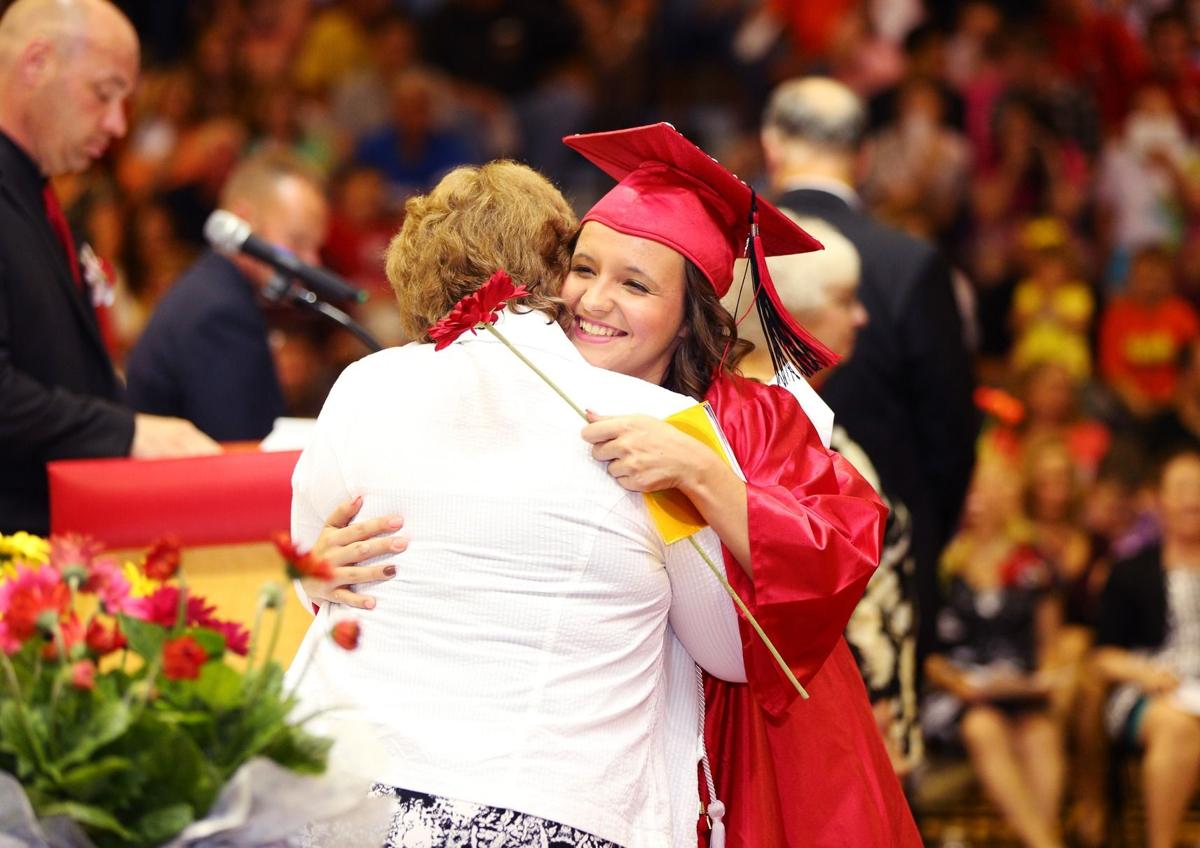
(205, 356)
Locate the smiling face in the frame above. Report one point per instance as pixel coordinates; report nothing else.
(627, 296)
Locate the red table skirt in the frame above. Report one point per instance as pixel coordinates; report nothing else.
(213, 500)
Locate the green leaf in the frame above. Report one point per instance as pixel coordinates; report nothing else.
(15, 738)
(219, 686)
(211, 641)
(86, 815)
(108, 722)
(189, 718)
(90, 780)
(299, 751)
(144, 638)
(174, 768)
(158, 826)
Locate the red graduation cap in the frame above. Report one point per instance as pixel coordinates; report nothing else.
(672, 192)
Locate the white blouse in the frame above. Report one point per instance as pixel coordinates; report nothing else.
(517, 657)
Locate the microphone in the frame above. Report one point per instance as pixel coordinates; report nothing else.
(229, 234)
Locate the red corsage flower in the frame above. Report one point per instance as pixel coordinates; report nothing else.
(480, 307)
(182, 658)
(345, 634)
(301, 565)
(162, 560)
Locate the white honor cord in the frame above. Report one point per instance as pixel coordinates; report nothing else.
(716, 810)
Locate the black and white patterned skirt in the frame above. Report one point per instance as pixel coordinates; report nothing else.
(430, 821)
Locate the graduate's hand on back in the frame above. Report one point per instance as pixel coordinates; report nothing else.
(344, 544)
(645, 454)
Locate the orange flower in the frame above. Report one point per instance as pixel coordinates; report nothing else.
(182, 658)
(83, 675)
(480, 307)
(301, 565)
(162, 560)
(345, 634)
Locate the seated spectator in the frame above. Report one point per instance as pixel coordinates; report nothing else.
(1052, 496)
(416, 148)
(1146, 181)
(1053, 499)
(1177, 427)
(1111, 519)
(361, 224)
(992, 674)
(285, 122)
(1052, 308)
(1049, 408)
(1172, 65)
(204, 355)
(1149, 637)
(361, 101)
(916, 166)
(1142, 333)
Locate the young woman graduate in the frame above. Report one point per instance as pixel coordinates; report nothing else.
(650, 264)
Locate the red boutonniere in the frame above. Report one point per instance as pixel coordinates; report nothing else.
(480, 308)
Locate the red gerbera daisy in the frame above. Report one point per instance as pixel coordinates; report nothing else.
(480, 307)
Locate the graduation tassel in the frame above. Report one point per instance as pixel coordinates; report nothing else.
(788, 342)
(716, 833)
(715, 811)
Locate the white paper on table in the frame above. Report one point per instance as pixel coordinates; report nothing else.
(289, 434)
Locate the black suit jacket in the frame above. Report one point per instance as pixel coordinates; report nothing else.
(204, 355)
(905, 395)
(59, 397)
(1133, 606)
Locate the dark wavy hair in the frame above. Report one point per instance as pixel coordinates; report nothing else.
(711, 343)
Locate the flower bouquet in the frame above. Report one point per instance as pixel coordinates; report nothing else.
(125, 718)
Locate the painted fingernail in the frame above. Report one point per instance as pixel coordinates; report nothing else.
(396, 523)
(389, 571)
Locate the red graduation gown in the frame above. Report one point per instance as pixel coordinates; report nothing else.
(795, 773)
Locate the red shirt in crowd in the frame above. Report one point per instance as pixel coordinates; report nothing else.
(1140, 344)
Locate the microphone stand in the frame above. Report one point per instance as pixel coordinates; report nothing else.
(280, 289)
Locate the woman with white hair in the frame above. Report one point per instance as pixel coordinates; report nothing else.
(820, 290)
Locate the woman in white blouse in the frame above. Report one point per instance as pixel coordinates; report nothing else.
(518, 669)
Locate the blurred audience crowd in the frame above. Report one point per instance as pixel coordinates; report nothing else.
(1051, 149)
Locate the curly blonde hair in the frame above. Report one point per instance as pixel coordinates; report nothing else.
(475, 221)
